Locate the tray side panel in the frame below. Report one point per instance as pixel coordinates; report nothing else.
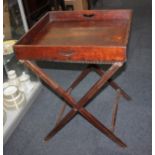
(83, 33)
(72, 54)
(122, 14)
(28, 37)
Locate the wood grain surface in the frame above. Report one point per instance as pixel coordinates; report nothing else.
(78, 36)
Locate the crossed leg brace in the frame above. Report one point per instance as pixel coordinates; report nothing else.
(79, 107)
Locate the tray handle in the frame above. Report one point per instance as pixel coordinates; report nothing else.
(66, 53)
(90, 15)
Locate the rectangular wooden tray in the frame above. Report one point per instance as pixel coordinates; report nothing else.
(88, 36)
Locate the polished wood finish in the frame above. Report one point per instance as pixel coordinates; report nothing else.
(78, 36)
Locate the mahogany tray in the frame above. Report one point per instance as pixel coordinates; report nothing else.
(88, 36)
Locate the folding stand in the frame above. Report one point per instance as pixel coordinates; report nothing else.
(78, 108)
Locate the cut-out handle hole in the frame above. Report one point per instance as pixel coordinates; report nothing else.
(66, 53)
(89, 15)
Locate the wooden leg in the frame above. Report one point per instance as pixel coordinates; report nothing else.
(82, 75)
(96, 123)
(84, 100)
(60, 125)
(91, 119)
(112, 83)
(115, 109)
(60, 113)
(99, 84)
(51, 83)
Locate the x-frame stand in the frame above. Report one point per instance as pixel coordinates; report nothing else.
(79, 107)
